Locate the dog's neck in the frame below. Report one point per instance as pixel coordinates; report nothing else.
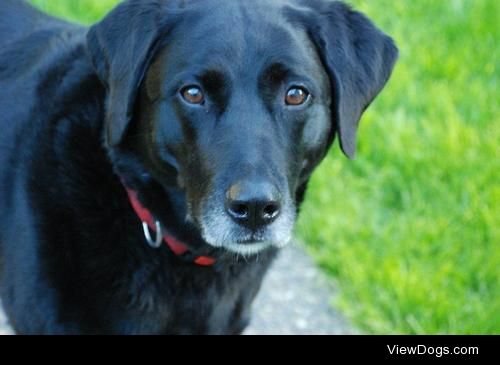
(150, 223)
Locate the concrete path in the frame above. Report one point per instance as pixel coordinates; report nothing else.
(295, 299)
(4, 328)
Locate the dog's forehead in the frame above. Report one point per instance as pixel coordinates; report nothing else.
(239, 34)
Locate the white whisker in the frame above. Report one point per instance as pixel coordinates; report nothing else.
(219, 231)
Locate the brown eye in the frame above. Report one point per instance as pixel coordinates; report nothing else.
(193, 95)
(296, 96)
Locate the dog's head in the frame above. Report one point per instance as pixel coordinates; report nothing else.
(230, 105)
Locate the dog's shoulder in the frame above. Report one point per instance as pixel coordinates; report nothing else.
(18, 19)
(44, 76)
(48, 95)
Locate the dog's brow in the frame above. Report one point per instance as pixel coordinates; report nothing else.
(213, 80)
(276, 73)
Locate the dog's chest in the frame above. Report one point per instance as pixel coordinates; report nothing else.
(195, 301)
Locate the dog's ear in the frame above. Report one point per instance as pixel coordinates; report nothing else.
(358, 57)
(121, 48)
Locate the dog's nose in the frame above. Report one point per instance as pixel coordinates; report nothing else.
(253, 205)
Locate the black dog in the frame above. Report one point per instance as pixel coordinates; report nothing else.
(203, 119)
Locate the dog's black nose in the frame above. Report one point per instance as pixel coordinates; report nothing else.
(253, 205)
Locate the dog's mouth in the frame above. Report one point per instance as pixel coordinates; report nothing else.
(248, 247)
(220, 232)
(214, 233)
(250, 241)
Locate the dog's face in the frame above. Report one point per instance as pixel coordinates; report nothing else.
(244, 119)
(231, 105)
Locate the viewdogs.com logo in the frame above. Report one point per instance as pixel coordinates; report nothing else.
(437, 351)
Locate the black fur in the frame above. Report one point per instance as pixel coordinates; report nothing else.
(82, 110)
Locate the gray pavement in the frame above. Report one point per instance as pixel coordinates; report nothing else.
(295, 299)
(4, 327)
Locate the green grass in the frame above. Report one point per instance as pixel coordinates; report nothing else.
(410, 230)
(82, 11)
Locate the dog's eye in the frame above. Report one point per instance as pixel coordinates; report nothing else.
(296, 96)
(193, 95)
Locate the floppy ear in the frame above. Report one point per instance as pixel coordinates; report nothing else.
(121, 48)
(359, 59)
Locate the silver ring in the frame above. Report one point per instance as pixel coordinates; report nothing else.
(156, 243)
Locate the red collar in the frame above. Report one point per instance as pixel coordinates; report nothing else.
(175, 246)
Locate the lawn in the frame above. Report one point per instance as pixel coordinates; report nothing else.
(410, 230)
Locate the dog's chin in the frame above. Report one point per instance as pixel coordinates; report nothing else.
(236, 240)
(248, 248)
